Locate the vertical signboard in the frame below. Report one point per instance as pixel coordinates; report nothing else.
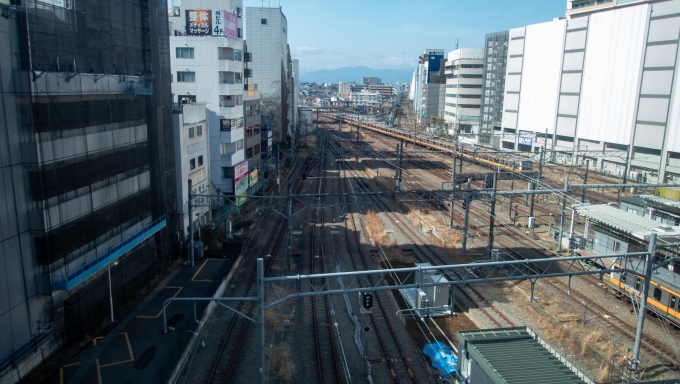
(230, 24)
(241, 180)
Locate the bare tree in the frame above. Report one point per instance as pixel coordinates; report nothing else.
(270, 106)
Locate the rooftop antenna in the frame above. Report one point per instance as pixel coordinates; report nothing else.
(456, 43)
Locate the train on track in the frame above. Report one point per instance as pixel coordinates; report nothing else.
(616, 231)
(495, 159)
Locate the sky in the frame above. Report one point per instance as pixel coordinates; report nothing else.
(391, 34)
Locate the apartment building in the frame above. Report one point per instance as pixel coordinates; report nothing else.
(207, 58)
(463, 70)
(599, 84)
(87, 166)
(190, 121)
(371, 80)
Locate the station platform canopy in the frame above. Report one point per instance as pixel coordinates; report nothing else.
(662, 203)
(625, 222)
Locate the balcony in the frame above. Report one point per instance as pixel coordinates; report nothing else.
(226, 53)
(230, 77)
(230, 101)
(231, 159)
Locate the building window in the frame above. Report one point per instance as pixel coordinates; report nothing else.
(249, 153)
(199, 130)
(249, 132)
(657, 294)
(200, 160)
(239, 145)
(224, 149)
(263, 21)
(227, 172)
(192, 164)
(229, 124)
(186, 77)
(238, 55)
(256, 129)
(256, 149)
(191, 132)
(184, 52)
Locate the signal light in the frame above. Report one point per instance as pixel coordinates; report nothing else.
(368, 300)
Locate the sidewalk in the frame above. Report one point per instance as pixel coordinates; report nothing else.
(136, 350)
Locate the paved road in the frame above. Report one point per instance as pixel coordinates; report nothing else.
(136, 350)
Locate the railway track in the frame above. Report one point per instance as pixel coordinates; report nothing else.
(324, 342)
(384, 329)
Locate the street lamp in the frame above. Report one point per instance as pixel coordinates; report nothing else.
(110, 291)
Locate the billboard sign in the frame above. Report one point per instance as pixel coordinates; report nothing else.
(524, 140)
(230, 24)
(198, 22)
(241, 178)
(254, 177)
(206, 22)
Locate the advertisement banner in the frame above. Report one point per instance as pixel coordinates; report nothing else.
(254, 177)
(199, 22)
(230, 24)
(524, 140)
(240, 170)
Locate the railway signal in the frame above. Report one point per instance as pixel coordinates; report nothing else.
(367, 300)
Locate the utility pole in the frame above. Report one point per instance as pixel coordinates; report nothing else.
(642, 310)
(467, 215)
(191, 226)
(492, 215)
(290, 225)
(512, 188)
(625, 171)
(357, 144)
(453, 186)
(540, 172)
(260, 319)
(564, 208)
(585, 181)
(396, 169)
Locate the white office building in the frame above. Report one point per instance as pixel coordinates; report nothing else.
(206, 48)
(267, 33)
(604, 80)
(464, 69)
(428, 85)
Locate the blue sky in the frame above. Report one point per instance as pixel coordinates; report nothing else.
(382, 34)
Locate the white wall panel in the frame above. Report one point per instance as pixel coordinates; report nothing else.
(515, 47)
(653, 109)
(512, 83)
(568, 105)
(664, 29)
(541, 76)
(511, 102)
(656, 83)
(573, 61)
(566, 126)
(581, 22)
(514, 65)
(673, 134)
(649, 136)
(509, 120)
(611, 74)
(660, 55)
(575, 40)
(517, 32)
(666, 8)
(571, 83)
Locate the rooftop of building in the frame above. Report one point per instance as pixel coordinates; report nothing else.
(516, 355)
(625, 222)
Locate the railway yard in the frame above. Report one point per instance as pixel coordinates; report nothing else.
(332, 339)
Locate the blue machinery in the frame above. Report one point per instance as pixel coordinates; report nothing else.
(65, 283)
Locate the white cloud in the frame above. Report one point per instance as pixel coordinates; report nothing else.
(308, 50)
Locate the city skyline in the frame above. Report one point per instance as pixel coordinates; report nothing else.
(366, 39)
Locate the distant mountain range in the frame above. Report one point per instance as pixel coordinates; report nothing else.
(346, 74)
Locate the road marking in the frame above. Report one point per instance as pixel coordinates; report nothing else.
(179, 289)
(61, 371)
(116, 362)
(199, 271)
